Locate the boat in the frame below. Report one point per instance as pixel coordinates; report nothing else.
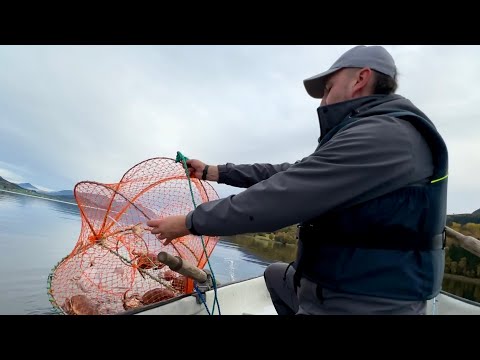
(251, 297)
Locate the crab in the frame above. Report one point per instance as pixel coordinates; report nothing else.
(156, 295)
(147, 261)
(80, 305)
(178, 282)
(131, 301)
(150, 297)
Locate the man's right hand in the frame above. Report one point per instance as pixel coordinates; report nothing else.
(196, 167)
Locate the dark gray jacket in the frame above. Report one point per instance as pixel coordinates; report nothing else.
(370, 158)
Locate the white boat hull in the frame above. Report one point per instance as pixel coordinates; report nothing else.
(251, 297)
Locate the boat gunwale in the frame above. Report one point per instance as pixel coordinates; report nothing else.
(456, 297)
(165, 302)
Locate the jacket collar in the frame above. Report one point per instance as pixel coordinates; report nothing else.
(330, 116)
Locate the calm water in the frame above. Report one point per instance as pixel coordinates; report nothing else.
(35, 234)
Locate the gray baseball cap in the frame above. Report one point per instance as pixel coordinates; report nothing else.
(373, 57)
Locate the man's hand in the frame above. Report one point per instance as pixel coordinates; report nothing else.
(168, 228)
(196, 167)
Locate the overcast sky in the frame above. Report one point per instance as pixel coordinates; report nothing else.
(73, 113)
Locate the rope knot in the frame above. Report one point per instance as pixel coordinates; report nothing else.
(95, 238)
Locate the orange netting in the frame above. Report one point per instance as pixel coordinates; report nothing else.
(113, 266)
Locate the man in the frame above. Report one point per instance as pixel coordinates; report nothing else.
(370, 201)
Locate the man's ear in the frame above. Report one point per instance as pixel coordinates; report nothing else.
(363, 79)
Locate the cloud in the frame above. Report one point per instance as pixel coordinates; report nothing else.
(14, 172)
(11, 176)
(73, 113)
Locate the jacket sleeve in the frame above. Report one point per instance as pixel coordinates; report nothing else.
(245, 175)
(370, 158)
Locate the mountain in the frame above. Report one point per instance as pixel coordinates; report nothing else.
(476, 212)
(61, 193)
(7, 185)
(28, 186)
(58, 193)
(65, 195)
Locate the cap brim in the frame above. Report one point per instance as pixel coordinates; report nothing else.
(315, 85)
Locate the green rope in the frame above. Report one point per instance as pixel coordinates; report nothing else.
(183, 160)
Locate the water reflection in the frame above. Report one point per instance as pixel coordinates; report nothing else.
(231, 262)
(265, 250)
(32, 240)
(463, 287)
(65, 209)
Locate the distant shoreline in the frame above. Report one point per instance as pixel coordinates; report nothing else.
(38, 197)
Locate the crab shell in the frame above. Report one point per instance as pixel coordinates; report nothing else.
(156, 295)
(149, 261)
(169, 275)
(80, 305)
(132, 302)
(178, 282)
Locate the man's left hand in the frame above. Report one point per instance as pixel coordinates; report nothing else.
(169, 228)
